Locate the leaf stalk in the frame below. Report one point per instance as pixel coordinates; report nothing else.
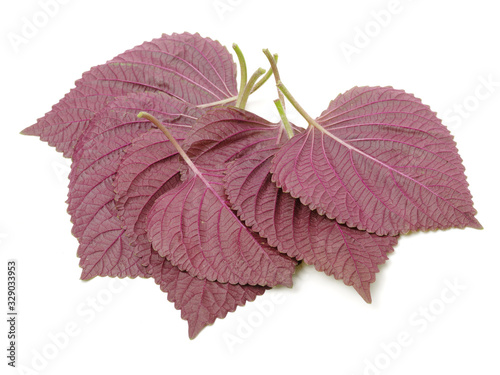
(170, 137)
(265, 78)
(243, 70)
(242, 101)
(284, 119)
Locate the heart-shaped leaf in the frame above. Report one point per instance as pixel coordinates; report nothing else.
(379, 160)
(194, 227)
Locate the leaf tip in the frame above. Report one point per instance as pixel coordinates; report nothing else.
(474, 223)
(30, 130)
(194, 329)
(86, 274)
(364, 292)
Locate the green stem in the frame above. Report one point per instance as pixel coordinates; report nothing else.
(179, 149)
(284, 119)
(274, 67)
(243, 69)
(297, 106)
(174, 142)
(265, 78)
(313, 122)
(242, 101)
(257, 86)
(284, 91)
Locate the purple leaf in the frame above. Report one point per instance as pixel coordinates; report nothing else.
(346, 253)
(383, 162)
(193, 226)
(105, 251)
(200, 301)
(149, 168)
(91, 195)
(188, 67)
(225, 134)
(195, 229)
(248, 142)
(111, 131)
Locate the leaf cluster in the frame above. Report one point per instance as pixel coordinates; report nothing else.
(173, 179)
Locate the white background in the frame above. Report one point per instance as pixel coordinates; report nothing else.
(440, 51)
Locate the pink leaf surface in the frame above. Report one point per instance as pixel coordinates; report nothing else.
(194, 227)
(193, 69)
(111, 132)
(104, 249)
(149, 168)
(200, 301)
(225, 134)
(91, 196)
(348, 254)
(226, 217)
(383, 162)
(243, 139)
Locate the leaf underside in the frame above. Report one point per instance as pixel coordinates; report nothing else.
(217, 228)
(200, 301)
(96, 123)
(346, 253)
(190, 68)
(97, 159)
(149, 169)
(193, 226)
(383, 162)
(246, 143)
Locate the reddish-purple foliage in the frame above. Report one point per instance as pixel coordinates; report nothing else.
(149, 168)
(194, 227)
(95, 163)
(95, 124)
(200, 301)
(190, 68)
(201, 213)
(247, 142)
(382, 162)
(346, 253)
